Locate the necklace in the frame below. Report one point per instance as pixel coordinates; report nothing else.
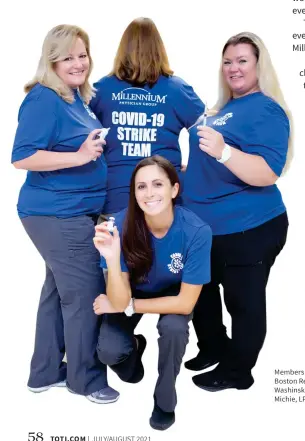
(89, 111)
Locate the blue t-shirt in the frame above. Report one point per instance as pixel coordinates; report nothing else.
(47, 122)
(182, 255)
(144, 122)
(254, 124)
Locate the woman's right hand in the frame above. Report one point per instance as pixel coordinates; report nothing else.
(91, 149)
(107, 244)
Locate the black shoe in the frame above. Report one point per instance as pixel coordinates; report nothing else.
(216, 380)
(139, 373)
(201, 361)
(161, 420)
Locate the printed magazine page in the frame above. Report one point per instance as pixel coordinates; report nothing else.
(226, 404)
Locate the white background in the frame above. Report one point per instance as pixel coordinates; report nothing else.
(194, 33)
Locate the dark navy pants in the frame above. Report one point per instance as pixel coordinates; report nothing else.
(117, 348)
(66, 322)
(241, 263)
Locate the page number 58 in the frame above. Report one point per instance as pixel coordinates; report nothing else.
(33, 436)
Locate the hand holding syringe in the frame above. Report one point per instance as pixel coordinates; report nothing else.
(107, 241)
(102, 135)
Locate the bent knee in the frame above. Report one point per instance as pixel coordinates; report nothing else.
(113, 351)
(173, 324)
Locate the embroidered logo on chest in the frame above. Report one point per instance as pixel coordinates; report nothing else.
(222, 121)
(176, 264)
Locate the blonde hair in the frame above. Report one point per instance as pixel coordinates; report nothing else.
(268, 82)
(141, 56)
(56, 47)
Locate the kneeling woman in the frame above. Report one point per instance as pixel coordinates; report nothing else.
(165, 260)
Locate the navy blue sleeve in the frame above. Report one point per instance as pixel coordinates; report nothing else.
(96, 103)
(188, 106)
(269, 136)
(197, 266)
(37, 125)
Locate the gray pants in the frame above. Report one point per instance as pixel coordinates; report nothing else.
(117, 348)
(65, 319)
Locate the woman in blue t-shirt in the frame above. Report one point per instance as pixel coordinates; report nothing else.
(164, 262)
(235, 160)
(145, 106)
(58, 204)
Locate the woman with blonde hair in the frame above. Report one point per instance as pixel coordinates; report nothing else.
(146, 107)
(236, 157)
(58, 205)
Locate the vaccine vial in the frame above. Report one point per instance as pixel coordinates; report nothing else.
(110, 224)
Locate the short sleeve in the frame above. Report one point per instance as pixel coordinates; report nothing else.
(36, 129)
(95, 103)
(197, 266)
(188, 106)
(269, 136)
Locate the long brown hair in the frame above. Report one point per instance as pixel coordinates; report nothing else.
(141, 56)
(136, 242)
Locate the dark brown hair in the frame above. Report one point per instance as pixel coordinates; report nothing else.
(241, 39)
(136, 241)
(141, 56)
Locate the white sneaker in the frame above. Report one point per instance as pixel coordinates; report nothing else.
(104, 396)
(44, 388)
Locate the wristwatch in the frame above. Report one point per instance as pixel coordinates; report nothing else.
(226, 154)
(129, 311)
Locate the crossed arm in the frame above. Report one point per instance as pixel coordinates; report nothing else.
(119, 294)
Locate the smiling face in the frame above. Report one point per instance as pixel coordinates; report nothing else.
(239, 68)
(153, 190)
(74, 68)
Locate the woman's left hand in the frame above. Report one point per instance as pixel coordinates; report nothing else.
(102, 305)
(210, 141)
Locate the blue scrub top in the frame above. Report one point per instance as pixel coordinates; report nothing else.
(47, 122)
(144, 121)
(254, 124)
(182, 255)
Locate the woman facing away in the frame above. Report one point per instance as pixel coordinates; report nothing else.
(145, 106)
(230, 182)
(58, 205)
(158, 258)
